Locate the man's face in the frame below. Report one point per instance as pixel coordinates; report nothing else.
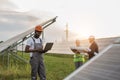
(77, 42)
(91, 40)
(37, 34)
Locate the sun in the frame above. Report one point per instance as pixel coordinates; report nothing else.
(83, 32)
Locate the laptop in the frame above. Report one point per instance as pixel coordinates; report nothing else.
(48, 46)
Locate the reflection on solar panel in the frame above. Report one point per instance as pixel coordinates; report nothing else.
(105, 66)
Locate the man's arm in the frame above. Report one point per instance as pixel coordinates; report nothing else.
(75, 51)
(27, 50)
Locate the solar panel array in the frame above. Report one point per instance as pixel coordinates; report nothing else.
(105, 66)
(64, 47)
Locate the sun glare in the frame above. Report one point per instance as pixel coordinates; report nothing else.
(84, 32)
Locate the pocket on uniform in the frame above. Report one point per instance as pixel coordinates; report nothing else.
(31, 59)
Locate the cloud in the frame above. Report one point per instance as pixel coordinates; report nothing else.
(7, 5)
(13, 23)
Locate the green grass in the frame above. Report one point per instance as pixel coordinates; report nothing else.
(58, 66)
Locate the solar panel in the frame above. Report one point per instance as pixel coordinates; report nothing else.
(16, 38)
(102, 67)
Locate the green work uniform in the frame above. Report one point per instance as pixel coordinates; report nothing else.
(79, 57)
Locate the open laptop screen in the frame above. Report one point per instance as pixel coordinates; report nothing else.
(48, 46)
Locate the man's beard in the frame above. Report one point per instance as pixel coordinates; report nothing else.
(37, 36)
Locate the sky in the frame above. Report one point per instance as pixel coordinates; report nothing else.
(84, 17)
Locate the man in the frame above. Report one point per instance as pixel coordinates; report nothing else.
(78, 56)
(35, 47)
(93, 47)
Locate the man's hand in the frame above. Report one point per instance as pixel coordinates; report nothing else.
(75, 51)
